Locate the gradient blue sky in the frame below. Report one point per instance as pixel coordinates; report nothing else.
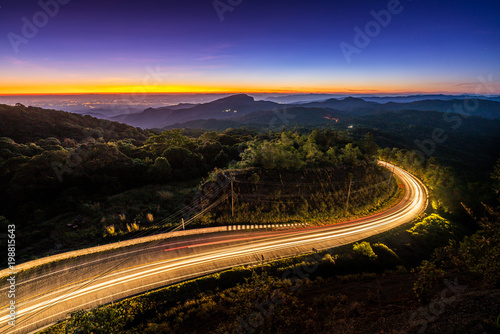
(271, 46)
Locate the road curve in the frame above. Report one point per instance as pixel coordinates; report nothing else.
(48, 296)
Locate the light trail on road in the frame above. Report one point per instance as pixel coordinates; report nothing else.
(50, 297)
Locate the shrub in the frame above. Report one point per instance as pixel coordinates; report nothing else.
(386, 255)
(100, 320)
(110, 230)
(365, 249)
(432, 225)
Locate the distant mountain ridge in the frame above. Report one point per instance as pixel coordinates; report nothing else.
(316, 97)
(474, 107)
(413, 98)
(345, 104)
(227, 107)
(236, 106)
(471, 107)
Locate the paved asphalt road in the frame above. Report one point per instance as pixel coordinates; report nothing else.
(45, 297)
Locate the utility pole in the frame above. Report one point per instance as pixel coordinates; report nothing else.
(183, 227)
(348, 195)
(232, 198)
(390, 178)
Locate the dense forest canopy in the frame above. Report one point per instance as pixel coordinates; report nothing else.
(29, 124)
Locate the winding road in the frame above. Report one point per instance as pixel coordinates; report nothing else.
(47, 295)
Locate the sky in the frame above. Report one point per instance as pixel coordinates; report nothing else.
(90, 46)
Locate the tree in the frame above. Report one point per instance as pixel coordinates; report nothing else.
(168, 139)
(368, 145)
(311, 152)
(161, 170)
(177, 156)
(210, 150)
(221, 160)
(210, 136)
(332, 156)
(350, 155)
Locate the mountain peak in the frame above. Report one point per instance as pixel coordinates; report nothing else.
(237, 98)
(352, 99)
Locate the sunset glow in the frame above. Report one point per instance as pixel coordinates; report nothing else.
(75, 88)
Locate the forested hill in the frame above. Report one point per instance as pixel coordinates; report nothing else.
(29, 124)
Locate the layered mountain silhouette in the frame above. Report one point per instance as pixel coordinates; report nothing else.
(468, 107)
(349, 103)
(243, 109)
(220, 109)
(316, 97)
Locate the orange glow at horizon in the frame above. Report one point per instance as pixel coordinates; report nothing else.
(59, 89)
